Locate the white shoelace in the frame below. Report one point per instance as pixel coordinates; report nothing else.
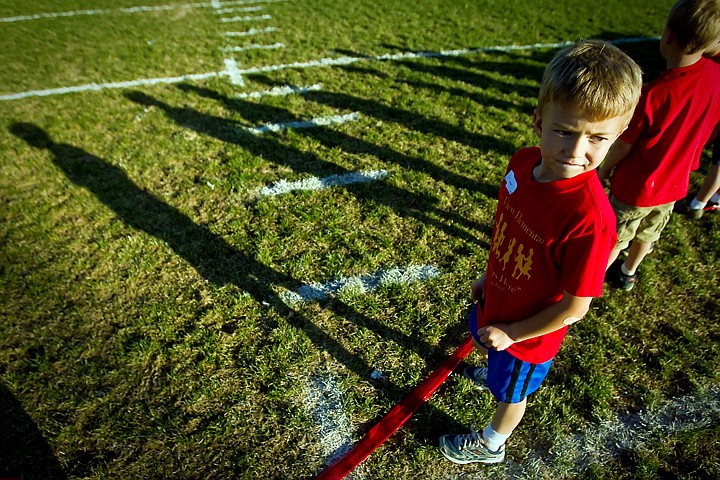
(469, 440)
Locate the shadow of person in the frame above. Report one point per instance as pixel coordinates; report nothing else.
(24, 452)
(406, 203)
(209, 254)
(215, 259)
(212, 257)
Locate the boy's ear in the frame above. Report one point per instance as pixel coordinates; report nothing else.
(537, 122)
(668, 36)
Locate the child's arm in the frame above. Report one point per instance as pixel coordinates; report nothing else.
(558, 315)
(618, 151)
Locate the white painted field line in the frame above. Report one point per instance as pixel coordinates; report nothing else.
(314, 183)
(325, 62)
(236, 77)
(252, 31)
(112, 85)
(254, 46)
(149, 8)
(323, 401)
(599, 444)
(362, 284)
(246, 19)
(238, 9)
(280, 91)
(315, 122)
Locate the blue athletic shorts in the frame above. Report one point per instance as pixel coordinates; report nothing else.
(510, 380)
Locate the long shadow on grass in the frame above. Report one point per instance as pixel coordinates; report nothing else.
(405, 203)
(215, 259)
(479, 71)
(24, 452)
(413, 121)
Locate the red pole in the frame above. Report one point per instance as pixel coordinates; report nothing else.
(396, 417)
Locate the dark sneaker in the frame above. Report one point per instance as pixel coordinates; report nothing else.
(617, 278)
(469, 448)
(477, 375)
(626, 282)
(683, 207)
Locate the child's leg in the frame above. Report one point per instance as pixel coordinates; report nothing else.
(648, 231)
(636, 253)
(711, 185)
(628, 221)
(507, 416)
(510, 381)
(614, 253)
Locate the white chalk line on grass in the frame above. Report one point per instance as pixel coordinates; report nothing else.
(107, 11)
(315, 122)
(113, 85)
(254, 46)
(246, 19)
(360, 284)
(280, 91)
(325, 62)
(282, 187)
(323, 401)
(600, 444)
(252, 31)
(238, 9)
(236, 77)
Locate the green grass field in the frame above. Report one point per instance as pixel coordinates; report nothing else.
(142, 328)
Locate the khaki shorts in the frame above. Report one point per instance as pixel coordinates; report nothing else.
(643, 224)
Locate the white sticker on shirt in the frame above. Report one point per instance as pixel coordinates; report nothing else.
(510, 182)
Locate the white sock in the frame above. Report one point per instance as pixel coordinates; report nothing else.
(715, 198)
(697, 204)
(493, 439)
(625, 271)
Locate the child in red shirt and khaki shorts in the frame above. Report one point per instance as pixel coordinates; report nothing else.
(649, 167)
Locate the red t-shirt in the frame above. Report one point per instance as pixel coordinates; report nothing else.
(670, 126)
(548, 238)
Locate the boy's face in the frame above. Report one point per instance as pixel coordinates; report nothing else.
(570, 143)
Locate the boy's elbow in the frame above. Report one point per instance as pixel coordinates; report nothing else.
(575, 316)
(576, 308)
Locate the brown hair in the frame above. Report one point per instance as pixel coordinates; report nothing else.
(595, 77)
(695, 23)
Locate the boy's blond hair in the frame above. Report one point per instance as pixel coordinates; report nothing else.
(594, 77)
(695, 23)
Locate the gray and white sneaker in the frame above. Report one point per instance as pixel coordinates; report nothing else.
(477, 375)
(469, 448)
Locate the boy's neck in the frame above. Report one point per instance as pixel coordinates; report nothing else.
(682, 60)
(674, 55)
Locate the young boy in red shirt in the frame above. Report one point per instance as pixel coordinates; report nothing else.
(554, 229)
(708, 196)
(676, 115)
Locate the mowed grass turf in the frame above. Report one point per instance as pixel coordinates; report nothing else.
(142, 332)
